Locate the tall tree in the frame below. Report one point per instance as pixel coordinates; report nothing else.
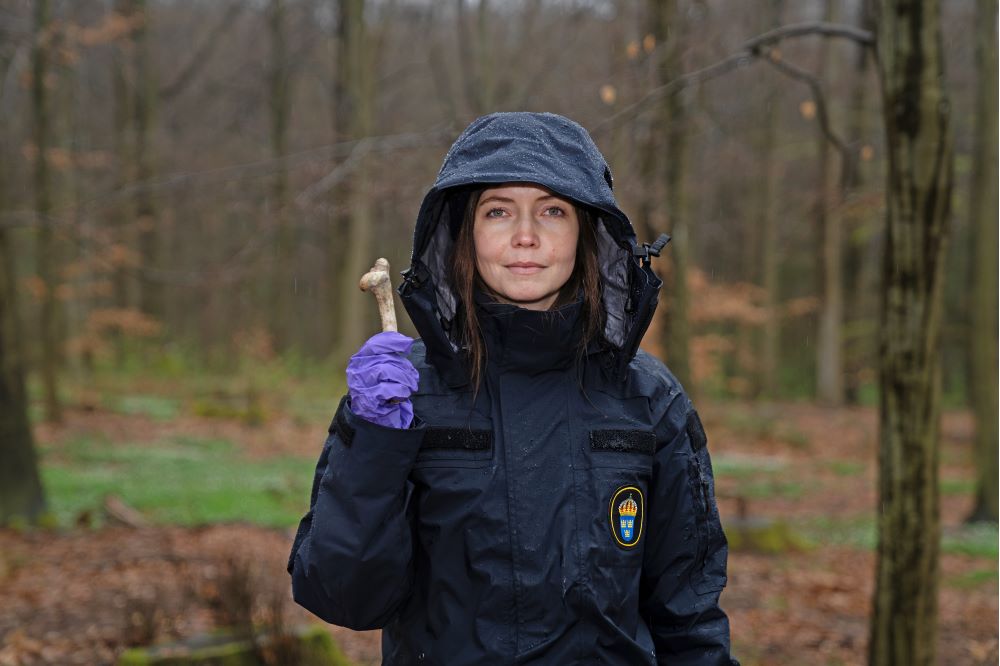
(829, 347)
(46, 248)
(21, 491)
(768, 224)
(145, 91)
(860, 254)
(359, 88)
(673, 122)
(280, 108)
(983, 210)
(918, 195)
(120, 214)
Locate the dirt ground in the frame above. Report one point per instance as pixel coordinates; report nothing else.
(82, 596)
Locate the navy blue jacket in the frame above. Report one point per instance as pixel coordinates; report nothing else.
(565, 513)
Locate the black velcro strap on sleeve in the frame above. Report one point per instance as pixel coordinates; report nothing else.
(695, 431)
(340, 424)
(462, 439)
(623, 441)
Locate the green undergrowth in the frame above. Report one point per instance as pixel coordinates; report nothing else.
(178, 480)
(764, 422)
(169, 383)
(978, 540)
(757, 477)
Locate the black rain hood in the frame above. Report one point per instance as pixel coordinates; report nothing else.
(557, 153)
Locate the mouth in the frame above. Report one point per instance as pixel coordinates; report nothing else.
(524, 268)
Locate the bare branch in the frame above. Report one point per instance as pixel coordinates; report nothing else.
(201, 54)
(817, 93)
(751, 50)
(439, 134)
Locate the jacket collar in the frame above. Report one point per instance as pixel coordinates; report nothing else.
(529, 341)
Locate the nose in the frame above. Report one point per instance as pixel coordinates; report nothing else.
(525, 234)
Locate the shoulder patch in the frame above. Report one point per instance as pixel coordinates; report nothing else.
(623, 441)
(695, 431)
(626, 515)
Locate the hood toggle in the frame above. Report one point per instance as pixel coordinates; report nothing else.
(647, 250)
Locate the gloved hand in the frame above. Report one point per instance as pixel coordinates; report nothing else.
(380, 380)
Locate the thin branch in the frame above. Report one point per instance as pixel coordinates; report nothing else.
(377, 144)
(818, 97)
(751, 50)
(202, 54)
(864, 37)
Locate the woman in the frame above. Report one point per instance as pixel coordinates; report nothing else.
(544, 495)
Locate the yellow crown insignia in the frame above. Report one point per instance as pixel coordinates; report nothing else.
(628, 507)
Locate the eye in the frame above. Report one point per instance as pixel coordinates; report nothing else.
(555, 210)
(494, 212)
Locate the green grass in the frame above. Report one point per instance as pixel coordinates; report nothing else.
(860, 532)
(958, 487)
(156, 407)
(846, 467)
(746, 467)
(765, 423)
(971, 580)
(757, 477)
(180, 480)
(978, 540)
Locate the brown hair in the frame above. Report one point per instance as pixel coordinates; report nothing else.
(465, 277)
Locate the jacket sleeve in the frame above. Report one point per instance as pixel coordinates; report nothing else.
(351, 561)
(684, 566)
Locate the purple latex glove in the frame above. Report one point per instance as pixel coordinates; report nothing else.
(380, 380)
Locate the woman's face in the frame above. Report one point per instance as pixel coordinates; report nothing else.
(525, 239)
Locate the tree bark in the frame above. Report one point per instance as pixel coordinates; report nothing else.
(359, 86)
(120, 215)
(983, 209)
(918, 192)
(46, 249)
(22, 496)
(280, 307)
(768, 224)
(672, 118)
(829, 347)
(144, 106)
(861, 273)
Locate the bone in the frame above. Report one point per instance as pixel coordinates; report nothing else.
(377, 282)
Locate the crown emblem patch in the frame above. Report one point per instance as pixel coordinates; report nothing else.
(626, 515)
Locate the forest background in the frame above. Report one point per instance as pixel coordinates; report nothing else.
(190, 189)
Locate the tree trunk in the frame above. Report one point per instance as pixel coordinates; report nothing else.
(918, 192)
(983, 208)
(829, 347)
(673, 121)
(145, 91)
(859, 270)
(282, 296)
(120, 215)
(46, 249)
(358, 258)
(21, 494)
(768, 226)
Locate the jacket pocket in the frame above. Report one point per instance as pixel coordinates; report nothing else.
(622, 448)
(446, 446)
(709, 574)
(613, 507)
